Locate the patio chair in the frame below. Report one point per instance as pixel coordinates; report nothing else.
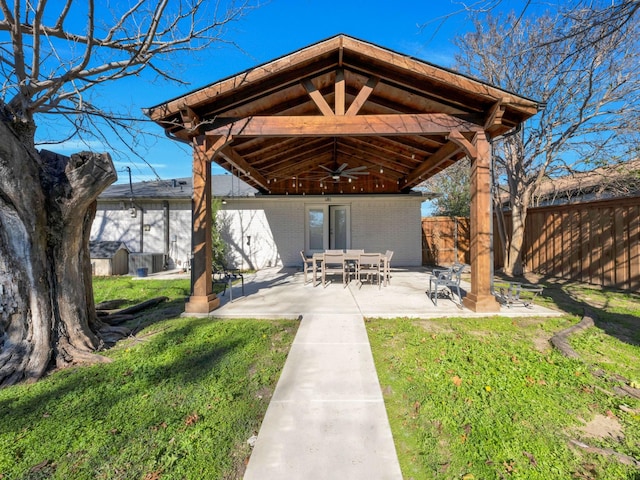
(387, 267)
(307, 266)
(333, 264)
(352, 261)
(226, 277)
(446, 280)
(369, 265)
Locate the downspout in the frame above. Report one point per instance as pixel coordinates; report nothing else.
(141, 230)
(165, 209)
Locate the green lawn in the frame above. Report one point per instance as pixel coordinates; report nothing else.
(489, 398)
(467, 398)
(179, 400)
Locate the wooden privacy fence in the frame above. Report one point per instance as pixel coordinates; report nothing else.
(592, 242)
(595, 242)
(445, 240)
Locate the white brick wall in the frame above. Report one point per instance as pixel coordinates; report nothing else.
(276, 227)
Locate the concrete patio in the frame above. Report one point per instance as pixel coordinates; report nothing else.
(282, 293)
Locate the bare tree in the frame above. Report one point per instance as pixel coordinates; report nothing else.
(51, 55)
(587, 75)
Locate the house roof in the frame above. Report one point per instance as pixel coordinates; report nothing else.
(618, 179)
(340, 104)
(177, 188)
(105, 249)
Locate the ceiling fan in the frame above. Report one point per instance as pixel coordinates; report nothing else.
(343, 171)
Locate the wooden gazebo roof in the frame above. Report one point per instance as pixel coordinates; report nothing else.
(342, 104)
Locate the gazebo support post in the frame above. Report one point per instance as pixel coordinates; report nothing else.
(202, 299)
(480, 298)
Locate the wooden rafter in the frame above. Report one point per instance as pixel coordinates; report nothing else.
(292, 162)
(241, 165)
(447, 151)
(363, 96)
(388, 151)
(340, 94)
(387, 163)
(317, 98)
(289, 151)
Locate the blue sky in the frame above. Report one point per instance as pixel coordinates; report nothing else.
(276, 28)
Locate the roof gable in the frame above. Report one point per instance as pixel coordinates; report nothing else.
(177, 188)
(334, 80)
(106, 249)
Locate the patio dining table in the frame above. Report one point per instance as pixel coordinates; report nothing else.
(318, 259)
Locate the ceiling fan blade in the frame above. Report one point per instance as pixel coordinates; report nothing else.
(325, 168)
(356, 169)
(342, 167)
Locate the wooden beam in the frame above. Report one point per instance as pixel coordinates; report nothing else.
(290, 148)
(299, 168)
(241, 164)
(317, 98)
(362, 96)
(470, 150)
(480, 297)
(419, 174)
(189, 119)
(390, 153)
(340, 89)
(213, 144)
(374, 159)
(202, 299)
(495, 113)
(311, 126)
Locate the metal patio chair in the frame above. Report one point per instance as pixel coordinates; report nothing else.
(446, 280)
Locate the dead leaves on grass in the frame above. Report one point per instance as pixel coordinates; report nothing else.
(191, 419)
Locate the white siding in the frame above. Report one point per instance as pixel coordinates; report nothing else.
(114, 222)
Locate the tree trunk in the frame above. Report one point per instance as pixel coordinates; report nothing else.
(47, 205)
(513, 260)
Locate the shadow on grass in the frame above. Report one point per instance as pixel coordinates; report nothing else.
(622, 326)
(186, 363)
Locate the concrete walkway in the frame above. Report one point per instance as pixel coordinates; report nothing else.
(327, 418)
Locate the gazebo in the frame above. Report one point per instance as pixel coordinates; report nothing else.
(342, 113)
